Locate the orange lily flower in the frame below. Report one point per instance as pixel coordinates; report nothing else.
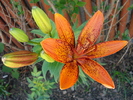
(65, 51)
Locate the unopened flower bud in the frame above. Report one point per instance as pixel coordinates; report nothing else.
(19, 59)
(41, 19)
(19, 34)
(46, 57)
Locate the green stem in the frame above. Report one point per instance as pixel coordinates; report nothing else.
(50, 35)
(36, 43)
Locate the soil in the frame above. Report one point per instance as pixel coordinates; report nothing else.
(94, 91)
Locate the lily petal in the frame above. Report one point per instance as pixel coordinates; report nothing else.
(69, 75)
(91, 31)
(58, 49)
(106, 48)
(96, 72)
(64, 29)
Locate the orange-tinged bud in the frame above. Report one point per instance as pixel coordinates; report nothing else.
(19, 34)
(41, 19)
(19, 59)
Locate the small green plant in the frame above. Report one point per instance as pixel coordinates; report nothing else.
(130, 8)
(3, 89)
(125, 35)
(18, 6)
(123, 77)
(40, 89)
(69, 6)
(13, 71)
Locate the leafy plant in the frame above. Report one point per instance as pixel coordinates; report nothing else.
(18, 6)
(13, 71)
(40, 89)
(70, 6)
(125, 35)
(123, 78)
(3, 89)
(130, 8)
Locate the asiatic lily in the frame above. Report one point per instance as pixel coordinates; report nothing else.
(65, 51)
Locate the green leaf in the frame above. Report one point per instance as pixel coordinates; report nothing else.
(31, 85)
(19, 8)
(81, 4)
(37, 49)
(38, 40)
(13, 71)
(102, 63)
(38, 73)
(54, 69)
(40, 78)
(33, 89)
(1, 47)
(29, 81)
(38, 32)
(33, 74)
(34, 1)
(130, 8)
(94, 8)
(33, 94)
(76, 1)
(35, 69)
(38, 93)
(35, 41)
(125, 35)
(76, 10)
(82, 77)
(78, 30)
(6, 69)
(15, 74)
(54, 33)
(46, 2)
(107, 8)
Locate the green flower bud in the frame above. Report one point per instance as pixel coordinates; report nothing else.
(46, 57)
(41, 19)
(19, 34)
(19, 59)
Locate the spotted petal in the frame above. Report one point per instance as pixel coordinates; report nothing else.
(106, 48)
(96, 72)
(64, 29)
(91, 31)
(69, 75)
(58, 49)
